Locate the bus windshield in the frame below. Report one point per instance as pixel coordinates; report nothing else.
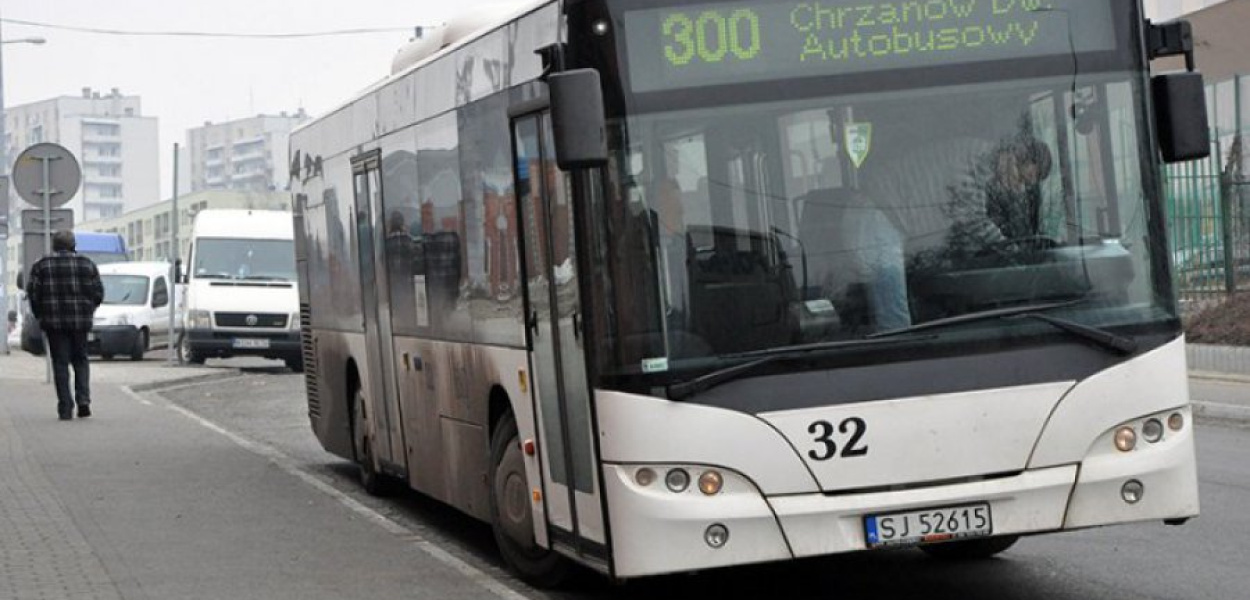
(876, 192)
(245, 259)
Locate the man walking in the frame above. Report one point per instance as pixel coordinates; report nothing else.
(64, 291)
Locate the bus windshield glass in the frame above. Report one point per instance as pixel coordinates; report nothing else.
(887, 192)
(245, 259)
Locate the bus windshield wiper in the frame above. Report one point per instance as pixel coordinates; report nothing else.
(703, 383)
(1101, 337)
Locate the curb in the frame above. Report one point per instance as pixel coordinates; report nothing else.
(1219, 376)
(1223, 412)
(156, 386)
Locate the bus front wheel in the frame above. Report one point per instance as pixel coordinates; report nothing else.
(512, 516)
(971, 549)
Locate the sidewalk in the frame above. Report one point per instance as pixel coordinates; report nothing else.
(1219, 381)
(142, 502)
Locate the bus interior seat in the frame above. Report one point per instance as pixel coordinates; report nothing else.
(741, 289)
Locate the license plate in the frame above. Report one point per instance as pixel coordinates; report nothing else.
(251, 343)
(91, 337)
(928, 525)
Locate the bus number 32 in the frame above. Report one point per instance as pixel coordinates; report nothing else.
(855, 427)
(711, 36)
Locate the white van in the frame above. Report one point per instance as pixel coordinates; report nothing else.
(241, 298)
(135, 313)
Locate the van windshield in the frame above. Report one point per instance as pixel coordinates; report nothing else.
(245, 259)
(125, 289)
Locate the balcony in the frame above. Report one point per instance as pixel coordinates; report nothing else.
(95, 158)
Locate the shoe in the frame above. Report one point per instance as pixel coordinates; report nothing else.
(66, 417)
(84, 411)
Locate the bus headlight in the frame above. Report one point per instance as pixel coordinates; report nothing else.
(710, 483)
(677, 480)
(1125, 439)
(199, 319)
(1152, 430)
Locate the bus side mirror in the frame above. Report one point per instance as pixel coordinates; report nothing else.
(178, 271)
(577, 119)
(1181, 116)
(21, 284)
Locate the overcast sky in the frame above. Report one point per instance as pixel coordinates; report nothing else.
(187, 81)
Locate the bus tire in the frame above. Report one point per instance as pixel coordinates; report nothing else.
(511, 516)
(971, 549)
(362, 446)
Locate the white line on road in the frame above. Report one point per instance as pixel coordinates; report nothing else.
(287, 464)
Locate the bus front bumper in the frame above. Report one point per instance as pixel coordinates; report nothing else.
(655, 530)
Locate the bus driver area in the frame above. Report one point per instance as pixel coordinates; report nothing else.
(1054, 466)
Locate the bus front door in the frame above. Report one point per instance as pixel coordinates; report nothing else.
(557, 358)
(378, 372)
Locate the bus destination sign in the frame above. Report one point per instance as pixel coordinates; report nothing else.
(709, 44)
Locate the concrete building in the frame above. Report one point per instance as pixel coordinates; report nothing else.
(149, 230)
(115, 144)
(245, 154)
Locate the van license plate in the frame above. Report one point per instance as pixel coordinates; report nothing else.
(251, 343)
(929, 525)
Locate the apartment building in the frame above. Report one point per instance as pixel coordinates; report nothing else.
(116, 147)
(244, 154)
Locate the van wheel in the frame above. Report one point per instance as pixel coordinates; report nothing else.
(971, 549)
(141, 345)
(106, 357)
(187, 353)
(362, 446)
(511, 515)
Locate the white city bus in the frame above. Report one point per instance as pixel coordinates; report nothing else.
(608, 274)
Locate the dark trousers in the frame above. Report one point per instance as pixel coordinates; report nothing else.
(69, 348)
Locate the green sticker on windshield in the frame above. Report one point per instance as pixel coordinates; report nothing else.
(655, 365)
(858, 142)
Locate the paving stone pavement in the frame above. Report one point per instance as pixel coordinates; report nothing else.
(43, 554)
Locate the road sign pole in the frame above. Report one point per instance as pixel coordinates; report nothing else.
(173, 339)
(46, 191)
(48, 184)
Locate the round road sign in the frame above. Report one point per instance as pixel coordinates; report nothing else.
(63, 175)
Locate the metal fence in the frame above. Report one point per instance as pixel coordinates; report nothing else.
(1208, 204)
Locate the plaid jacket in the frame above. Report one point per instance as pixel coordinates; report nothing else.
(64, 291)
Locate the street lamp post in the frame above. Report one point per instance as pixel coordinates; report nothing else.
(4, 203)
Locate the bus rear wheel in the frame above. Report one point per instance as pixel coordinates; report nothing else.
(511, 515)
(370, 479)
(971, 549)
